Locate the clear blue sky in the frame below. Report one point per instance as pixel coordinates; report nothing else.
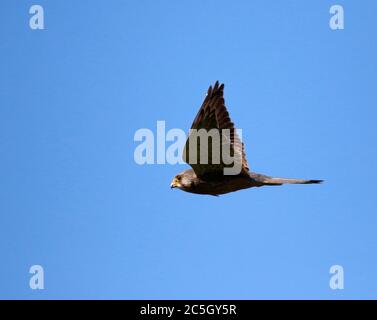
(73, 200)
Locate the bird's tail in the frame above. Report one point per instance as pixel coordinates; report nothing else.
(270, 181)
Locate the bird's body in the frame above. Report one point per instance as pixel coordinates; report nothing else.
(209, 177)
(216, 185)
(189, 182)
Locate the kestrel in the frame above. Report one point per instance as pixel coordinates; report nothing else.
(209, 178)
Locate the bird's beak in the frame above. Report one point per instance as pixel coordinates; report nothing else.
(175, 184)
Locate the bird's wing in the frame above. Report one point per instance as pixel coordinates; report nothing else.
(214, 115)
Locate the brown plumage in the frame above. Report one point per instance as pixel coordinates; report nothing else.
(209, 177)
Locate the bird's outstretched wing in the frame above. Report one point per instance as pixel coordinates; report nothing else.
(214, 115)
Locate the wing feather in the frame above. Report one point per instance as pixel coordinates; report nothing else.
(214, 115)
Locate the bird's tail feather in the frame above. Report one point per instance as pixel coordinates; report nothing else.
(270, 181)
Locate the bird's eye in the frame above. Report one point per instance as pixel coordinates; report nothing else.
(178, 178)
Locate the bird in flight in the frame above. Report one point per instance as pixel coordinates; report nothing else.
(208, 176)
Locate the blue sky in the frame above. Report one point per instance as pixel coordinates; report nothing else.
(73, 200)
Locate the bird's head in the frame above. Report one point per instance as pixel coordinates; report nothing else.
(181, 181)
(177, 182)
